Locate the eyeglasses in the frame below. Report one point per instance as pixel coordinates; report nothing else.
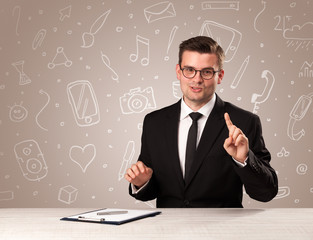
(205, 73)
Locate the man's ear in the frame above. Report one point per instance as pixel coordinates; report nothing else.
(220, 76)
(178, 72)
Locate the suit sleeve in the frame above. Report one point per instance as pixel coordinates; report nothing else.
(259, 178)
(148, 192)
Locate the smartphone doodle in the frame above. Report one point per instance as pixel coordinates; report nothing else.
(297, 113)
(84, 103)
(31, 160)
(225, 36)
(261, 98)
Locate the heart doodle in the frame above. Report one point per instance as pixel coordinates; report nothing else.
(83, 156)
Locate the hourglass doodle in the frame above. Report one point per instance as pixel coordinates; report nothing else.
(19, 66)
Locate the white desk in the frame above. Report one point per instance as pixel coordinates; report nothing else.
(191, 224)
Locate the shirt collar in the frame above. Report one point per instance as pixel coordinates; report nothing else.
(205, 110)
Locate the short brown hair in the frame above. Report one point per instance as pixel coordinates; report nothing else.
(202, 44)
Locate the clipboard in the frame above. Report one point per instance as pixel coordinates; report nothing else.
(111, 216)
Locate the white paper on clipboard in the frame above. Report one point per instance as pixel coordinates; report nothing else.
(121, 216)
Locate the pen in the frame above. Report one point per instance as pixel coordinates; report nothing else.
(90, 219)
(112, 213)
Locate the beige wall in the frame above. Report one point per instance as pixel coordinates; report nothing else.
(78, 77)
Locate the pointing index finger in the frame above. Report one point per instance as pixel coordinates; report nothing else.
(228, 121)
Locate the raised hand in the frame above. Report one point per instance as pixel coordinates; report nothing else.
(138, 174)
(237, 144)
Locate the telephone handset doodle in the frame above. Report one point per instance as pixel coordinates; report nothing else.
(297, 113)
(261, 98)
(225, 36)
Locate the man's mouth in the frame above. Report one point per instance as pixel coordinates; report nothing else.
(196, 89)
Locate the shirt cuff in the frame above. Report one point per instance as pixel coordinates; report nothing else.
(240, 164)
(137, 190)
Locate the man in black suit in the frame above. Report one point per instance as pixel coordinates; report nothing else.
(230, 152)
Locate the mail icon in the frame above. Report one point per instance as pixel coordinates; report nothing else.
(159, 11)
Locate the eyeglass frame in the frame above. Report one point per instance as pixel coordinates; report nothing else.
(182, 70)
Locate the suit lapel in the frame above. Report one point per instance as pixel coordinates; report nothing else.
(171, 130)
(212, 129)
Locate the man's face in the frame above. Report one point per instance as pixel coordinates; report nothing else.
(197, 91)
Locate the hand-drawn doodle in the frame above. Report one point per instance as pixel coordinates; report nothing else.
(176, 90)
(107, 63)
(67, 194)
(258, 15)
(40, 36)
(84, 103)
(31, 160)
(299, 36)
(306, 70)
(19, 66)
(65, 12)
(302, 169)
(298, 112)
(143, 49)
(83, 156)
(283, 153)
(136, 101)
(170, 40)
(240, 73)
(217, 5)
(48, 96)
(18, 9)
(225, 36)
(283, 192)
(88, 37)
(159, 11)
(127, 158)
(18, 113)
(60, 59)
(256, 98)
(6, 195)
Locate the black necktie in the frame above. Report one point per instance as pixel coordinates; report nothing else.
(191, 143)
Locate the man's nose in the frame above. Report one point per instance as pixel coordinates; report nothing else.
(198, 77)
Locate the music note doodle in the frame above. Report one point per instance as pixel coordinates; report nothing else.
(141, 44)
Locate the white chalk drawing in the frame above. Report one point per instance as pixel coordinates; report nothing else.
(38, 39)
(60, 59)
(176, 90)
(302, 169)
(84, 103)
(89, 37)
(31, 160)
(256, 98)
(137, 100)
(217, 5)
(227, 37)
(170, 41)
(304, 32)
(18, 113)
(67, 194)
(107, 63)
(159, 11)
(306, 70)
(48, 100)
(258, 15)
(6, 195)
(283, 192)
(297, 113)
(65, 12)
(281, 22)
(143, 49)
(127, 158)
(18, 10)
(83, 156)
(283, 153)
(19, 66)
(240, 73)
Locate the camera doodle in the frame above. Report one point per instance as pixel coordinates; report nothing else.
(136, 101)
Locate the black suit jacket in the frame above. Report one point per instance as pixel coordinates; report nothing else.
(216, 180)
